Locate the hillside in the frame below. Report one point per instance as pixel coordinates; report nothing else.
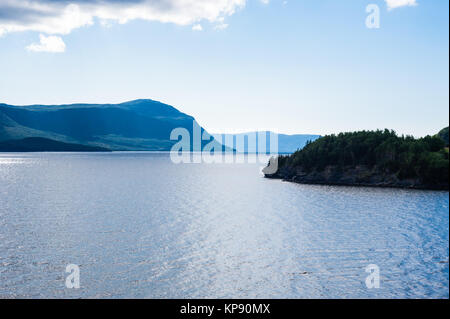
(135, 125)
(444, 135)
(39, 144)
(369, 158)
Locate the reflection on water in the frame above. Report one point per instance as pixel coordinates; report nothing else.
(140, 226)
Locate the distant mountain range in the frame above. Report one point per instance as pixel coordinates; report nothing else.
(140, 125)
(249, 142)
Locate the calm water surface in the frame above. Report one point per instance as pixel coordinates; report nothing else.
(140, 226)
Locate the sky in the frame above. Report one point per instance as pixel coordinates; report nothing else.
(295, 66)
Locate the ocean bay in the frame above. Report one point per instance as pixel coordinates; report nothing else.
(138, 225)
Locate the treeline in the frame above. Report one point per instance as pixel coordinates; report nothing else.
(426, 158)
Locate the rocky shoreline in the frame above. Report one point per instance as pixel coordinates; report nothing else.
(351, 176)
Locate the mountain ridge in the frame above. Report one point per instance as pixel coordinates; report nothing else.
(137, 125)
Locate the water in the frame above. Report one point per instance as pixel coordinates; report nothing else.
(139, 226)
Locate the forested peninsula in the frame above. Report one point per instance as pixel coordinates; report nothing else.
(369, 158)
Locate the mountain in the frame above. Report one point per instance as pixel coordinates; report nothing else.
(141, 125)
(247, 142)
(40, 144)
(367, 158)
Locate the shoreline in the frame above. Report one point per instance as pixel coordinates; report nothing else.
(326, 183)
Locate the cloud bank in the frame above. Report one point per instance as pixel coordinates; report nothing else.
(62, 16)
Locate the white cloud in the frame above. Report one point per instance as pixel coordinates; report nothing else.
(63, 16)
(197, 27)
(51, 43)
(392, 4)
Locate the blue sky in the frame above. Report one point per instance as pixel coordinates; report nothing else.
(296, 66)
